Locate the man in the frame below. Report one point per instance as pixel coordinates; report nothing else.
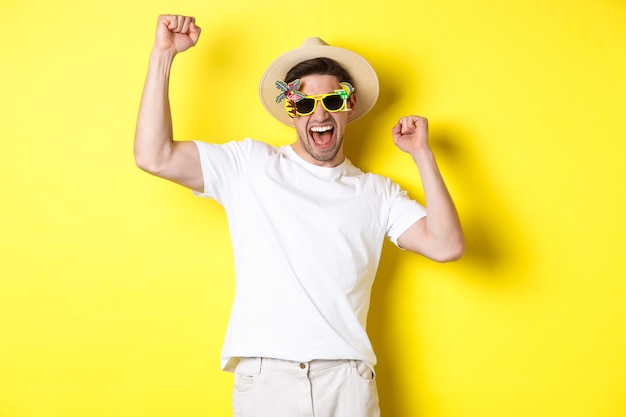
(307, 226)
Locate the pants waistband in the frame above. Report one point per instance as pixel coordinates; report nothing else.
(258, 364)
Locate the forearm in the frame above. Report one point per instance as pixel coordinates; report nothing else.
(153, 134)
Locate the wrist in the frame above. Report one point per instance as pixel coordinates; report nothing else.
(421, 152)
(161, 60)
(162, 54)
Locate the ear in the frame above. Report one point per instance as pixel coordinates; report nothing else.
(352, 103)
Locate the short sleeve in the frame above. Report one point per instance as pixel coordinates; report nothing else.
(223, 165)
(403, 213)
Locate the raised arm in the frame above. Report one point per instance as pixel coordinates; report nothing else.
(438, 236)
(155, 150)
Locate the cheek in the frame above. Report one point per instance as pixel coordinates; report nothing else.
(302, 130)
(341, 120)
(300, 125)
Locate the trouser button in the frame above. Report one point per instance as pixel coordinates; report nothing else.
(302, 365)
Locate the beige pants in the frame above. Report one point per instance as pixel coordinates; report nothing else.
(277, 388)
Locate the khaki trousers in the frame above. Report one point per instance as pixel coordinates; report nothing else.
(320, 388)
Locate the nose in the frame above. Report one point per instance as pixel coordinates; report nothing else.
(320, 110)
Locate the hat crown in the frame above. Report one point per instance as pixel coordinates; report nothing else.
(314, 41)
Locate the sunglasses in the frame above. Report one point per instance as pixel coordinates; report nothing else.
(332, 102)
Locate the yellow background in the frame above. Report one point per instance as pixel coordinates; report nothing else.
(115, 286)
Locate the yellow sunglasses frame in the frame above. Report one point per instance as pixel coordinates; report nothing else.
(345, 93)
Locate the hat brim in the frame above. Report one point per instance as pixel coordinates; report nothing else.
(365, 80)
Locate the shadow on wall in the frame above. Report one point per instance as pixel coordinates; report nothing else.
(494, 239)
(489, 253)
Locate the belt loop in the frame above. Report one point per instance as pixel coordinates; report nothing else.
(258, 365)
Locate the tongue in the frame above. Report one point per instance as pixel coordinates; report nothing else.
(322, 138)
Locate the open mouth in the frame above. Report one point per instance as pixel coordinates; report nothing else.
(322, 135)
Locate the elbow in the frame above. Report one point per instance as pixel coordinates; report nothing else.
(154, 160)
(143, 165)
(146, 164)
(450, 252)
(458, 250)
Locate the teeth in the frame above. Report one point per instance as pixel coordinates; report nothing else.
(320, 129)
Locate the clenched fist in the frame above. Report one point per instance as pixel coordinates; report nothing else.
(176, 33)
(411, 133)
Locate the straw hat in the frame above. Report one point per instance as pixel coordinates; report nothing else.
(364, 77)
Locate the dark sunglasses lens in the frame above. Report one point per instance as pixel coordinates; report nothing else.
(305, 105)
(334, 102)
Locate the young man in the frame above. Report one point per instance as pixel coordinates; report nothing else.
(307, 226)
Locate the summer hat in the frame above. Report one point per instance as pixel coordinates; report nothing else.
(364, 77)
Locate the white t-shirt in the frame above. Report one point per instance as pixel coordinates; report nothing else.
(307, 242)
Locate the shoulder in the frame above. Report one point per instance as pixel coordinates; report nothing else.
(238, 149)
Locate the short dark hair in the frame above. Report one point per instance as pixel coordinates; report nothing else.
(322, 66)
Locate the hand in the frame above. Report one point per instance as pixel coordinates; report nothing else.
(176, 33)
(410, 134)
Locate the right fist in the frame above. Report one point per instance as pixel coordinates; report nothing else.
(176, 33)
